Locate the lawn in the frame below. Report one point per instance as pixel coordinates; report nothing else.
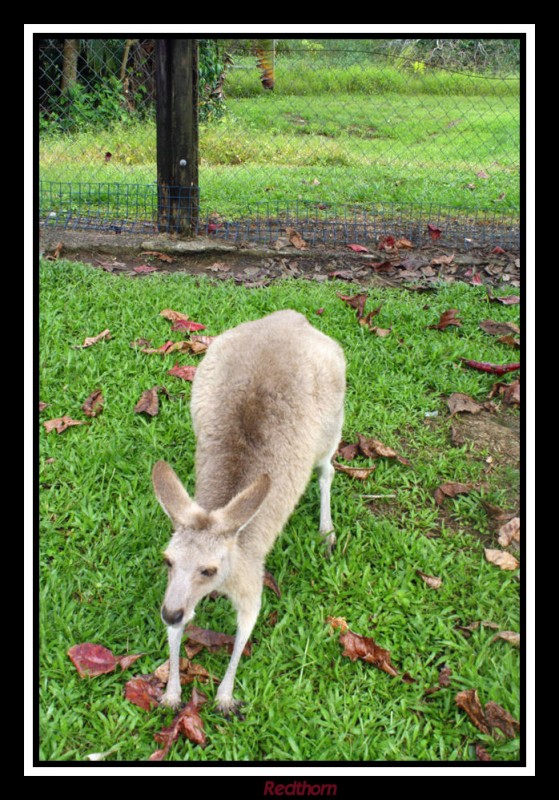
(102, 533)
(326, 135)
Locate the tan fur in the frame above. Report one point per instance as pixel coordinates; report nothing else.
(267, 407)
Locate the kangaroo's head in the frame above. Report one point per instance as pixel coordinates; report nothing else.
(202, 549)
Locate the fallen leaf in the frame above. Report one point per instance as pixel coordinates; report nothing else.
(187, 373)
(444, 677)
(342, 274)
(509, 392)
(202, 339)
(173, 316)
(358, 248)
(149, 401)
(459, 403)
(403, 244)
(447, 318)
(56, 252)
(431, 580)
(187, 325)
(42, 406)
(476, 280)
(188, 672)
(498, 328)
(508, 636)
(159, 350)
(144, 691)
(91, 340)
(319, 311)
(94, 659)
(387, 243)
(296, 239)
(510, 532)
(365, 648)
(450, 489)
(501, 559)
(348, 451)
(442, 260)
(61, 423)
(212, 640)
(219, 266)
(482, 174)
(380, 331)
(271, 583)
(142, 269)
(359, 473)
(367, 319)
(506, 300)
(494, 369)
(356, 301)
(160, 256)
(497, 717)
(93, 406)
(385, 266)
(338, 622)
(498, 250)
(482, 754)
(140, 343)
(188, 722)
(434, 231)
(372, 448)
(467, 630)
(469, 702)
(510, 340)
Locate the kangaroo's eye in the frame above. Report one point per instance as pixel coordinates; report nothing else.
(208, 572)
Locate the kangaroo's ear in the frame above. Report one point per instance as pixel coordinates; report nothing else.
(172, 495)
(239, 511)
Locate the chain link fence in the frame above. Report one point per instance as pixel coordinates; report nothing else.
(341, 140)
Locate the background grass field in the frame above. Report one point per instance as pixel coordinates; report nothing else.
(328, 133)
(102, 533)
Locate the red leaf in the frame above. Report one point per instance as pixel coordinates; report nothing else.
(143, 692)
(434, 232)
(214, 226)
(92, 659)
(143, 268)
(476, 280)
(188, 722)
(319, 311)
(186, 373)
(494, 369)
(498, 250)
(94, 404)
(447, 318)
(358, 248)
(187, 325)
(213, 640)
(387, 243)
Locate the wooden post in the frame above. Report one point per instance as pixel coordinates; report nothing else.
(177, 135)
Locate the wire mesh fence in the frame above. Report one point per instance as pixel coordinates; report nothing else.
(344, 141)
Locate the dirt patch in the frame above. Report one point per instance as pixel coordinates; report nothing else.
(498, 435)
(258, 265)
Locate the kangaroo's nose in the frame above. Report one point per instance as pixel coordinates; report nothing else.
(172, 617)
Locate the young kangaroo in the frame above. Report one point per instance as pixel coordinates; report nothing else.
(267, 407)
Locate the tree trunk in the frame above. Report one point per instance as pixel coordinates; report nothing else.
(70, 54)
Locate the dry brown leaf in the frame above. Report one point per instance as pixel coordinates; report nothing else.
(212, 640)
(459, 402)
(482, 754)
(431, 580)
(380, 331)
(510, 532)
(450, 489)
(296, 239)
(188, 672)
(356, 301)
(501, 559)
(508, 636)
(149, 401)
(42, 406)
(338, 622)
(93, 406)
(497, 717)
(187, 372)
(365, 648)
(347, 451)
(160, 256)
(444, 677)
(144, 691)
(442, 260)
(173, 316)
(498, 328)
(188, 722)
(404, 244)
(473, 626)
(468, 701)
(91, 340)
(372, 448)
(271, 583)
(359, 473)
(60, 424)
(447, 318)
(510, 340)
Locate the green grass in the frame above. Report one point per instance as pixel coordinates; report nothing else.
(102, 533)
(366, 134)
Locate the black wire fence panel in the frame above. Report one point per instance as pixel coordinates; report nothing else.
(342, 140)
